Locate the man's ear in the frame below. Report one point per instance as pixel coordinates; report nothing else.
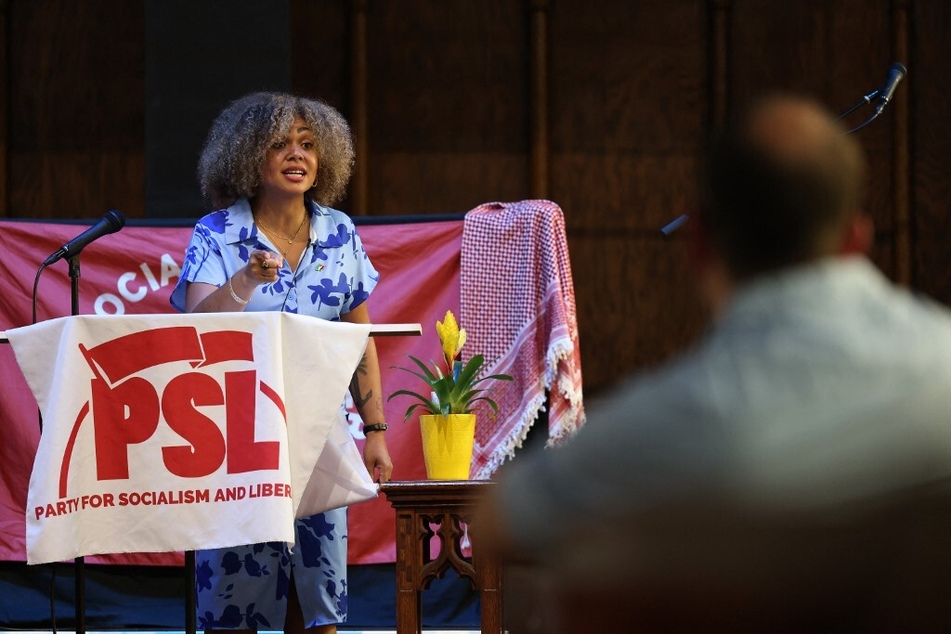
(858, 235)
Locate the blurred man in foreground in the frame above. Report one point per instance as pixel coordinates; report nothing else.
(788, 471)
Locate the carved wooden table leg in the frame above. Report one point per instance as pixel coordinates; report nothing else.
(490, 587)
(408, 561)
(419, 506)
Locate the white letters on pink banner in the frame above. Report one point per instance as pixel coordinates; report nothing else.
(179, 432)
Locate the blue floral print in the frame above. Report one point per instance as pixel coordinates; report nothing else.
(247, 586)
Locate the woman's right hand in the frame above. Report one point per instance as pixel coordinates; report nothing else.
(262, 267)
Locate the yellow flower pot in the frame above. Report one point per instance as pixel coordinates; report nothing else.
(447, 445)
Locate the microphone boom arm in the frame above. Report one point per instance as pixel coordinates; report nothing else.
(864, 101)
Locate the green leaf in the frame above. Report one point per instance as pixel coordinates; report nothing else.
(430, 408)
(430, 377)
(497, 377)
(424, 402)
(408, 393)
(416, 374)
(489, 401)
(472, 368)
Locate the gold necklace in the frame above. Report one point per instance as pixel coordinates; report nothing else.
(283, 251)
(273, 234)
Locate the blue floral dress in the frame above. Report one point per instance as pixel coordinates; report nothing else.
(247, 586)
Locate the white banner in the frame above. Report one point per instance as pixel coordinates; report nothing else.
(181, 432)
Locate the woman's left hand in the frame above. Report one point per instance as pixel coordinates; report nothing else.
(376, 457)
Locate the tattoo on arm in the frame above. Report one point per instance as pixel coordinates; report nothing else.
(360, 399)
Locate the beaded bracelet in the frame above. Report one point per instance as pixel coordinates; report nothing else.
(234, 296)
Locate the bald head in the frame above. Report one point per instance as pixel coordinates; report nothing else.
(781, 183)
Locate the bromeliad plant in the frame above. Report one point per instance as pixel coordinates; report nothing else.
(454, 390)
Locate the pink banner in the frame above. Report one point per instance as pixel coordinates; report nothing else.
(134, 271)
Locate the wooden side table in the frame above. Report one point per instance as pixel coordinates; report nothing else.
(448, 503)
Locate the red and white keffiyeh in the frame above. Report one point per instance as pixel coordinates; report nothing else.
(518, 309)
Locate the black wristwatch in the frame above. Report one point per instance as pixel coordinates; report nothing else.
(376, 427)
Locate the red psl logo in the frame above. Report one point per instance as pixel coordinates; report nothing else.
(127, 409)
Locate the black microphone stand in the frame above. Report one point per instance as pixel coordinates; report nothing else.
(79, 566)
(110, 223)
(79, 562)
(867, 99)
(191, 590)
(74, 284)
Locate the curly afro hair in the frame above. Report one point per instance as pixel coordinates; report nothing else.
(234, 152)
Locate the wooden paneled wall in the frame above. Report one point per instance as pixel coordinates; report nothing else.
(599, 105)
(75, 104)
(928, 133)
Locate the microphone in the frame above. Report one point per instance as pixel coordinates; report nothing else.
(896, 72)
(110, 222)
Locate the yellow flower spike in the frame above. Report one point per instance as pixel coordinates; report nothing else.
(450, 336)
